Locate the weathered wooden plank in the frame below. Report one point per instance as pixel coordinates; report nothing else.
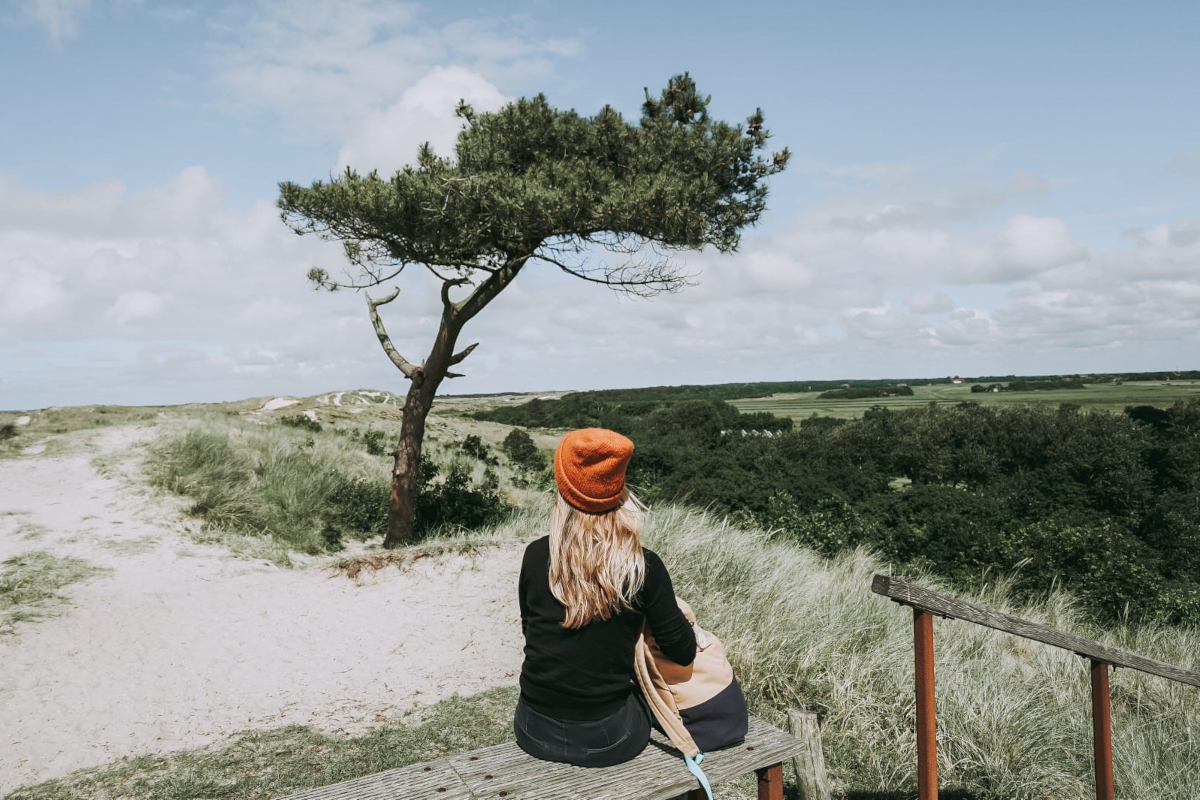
(505, 772)
(810, 764)
(919, 597)
(429, 781)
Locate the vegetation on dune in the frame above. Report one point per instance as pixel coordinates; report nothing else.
(802, 630)
(307, 490)
(1104, 505)
(857, 393)
(31, 585)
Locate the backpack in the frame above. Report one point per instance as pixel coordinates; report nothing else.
(700, 707)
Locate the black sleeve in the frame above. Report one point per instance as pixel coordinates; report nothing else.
(522, 588)
(665, 620)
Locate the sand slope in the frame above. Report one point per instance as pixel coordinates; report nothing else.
(179, 644)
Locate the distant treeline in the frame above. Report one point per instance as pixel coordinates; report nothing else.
(738, 391)
(859, 392)
(1028, 386)
(1107, 505)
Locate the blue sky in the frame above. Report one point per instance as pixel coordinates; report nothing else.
(976, 188)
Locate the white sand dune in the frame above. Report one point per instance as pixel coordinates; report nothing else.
(179, 644)
(277, 403)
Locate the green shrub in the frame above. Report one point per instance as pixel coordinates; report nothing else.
(376, 441)
(301, 421)
(8, 431)
(522, 451)
(456, 501)
(473, 447)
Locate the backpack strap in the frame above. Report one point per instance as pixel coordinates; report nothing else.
(667, 716)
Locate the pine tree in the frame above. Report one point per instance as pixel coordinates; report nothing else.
(531, 184)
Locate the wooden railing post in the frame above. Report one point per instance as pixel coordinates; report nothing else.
(1102, 731)
(927, 788)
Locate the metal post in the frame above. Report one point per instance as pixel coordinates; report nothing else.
(770, 782)
(927, 787)
(1102, 731)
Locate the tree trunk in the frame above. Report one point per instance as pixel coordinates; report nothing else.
(425, 380)
(406, 469)
(406, 465)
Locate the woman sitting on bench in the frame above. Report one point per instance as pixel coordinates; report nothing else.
(585, 591)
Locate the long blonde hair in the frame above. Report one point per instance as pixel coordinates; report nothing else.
(596, 562)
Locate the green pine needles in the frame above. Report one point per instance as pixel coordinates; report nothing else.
(600, 198)
(534, 181)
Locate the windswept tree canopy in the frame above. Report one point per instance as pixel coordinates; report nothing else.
(533, 182)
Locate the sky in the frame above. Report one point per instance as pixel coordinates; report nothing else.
(975, 189)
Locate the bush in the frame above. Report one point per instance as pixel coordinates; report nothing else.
(456, 501)
(8, 431)
(301, 421)
(375, 440)
(474, 447)
(523, 452)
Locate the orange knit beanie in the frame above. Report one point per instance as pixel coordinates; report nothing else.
(589, 466)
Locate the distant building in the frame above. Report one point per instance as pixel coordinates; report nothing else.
(956, 381)
(845, 386)
(901, 385)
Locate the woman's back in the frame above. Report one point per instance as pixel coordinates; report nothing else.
(585, 673)
(585, 592)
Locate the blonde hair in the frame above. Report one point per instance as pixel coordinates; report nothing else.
(596, 562)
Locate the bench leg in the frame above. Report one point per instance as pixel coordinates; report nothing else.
(770, 782)
(694, 794)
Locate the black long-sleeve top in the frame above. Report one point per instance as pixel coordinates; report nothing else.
(587, 673)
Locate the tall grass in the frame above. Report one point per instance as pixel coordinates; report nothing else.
(1014, 717)
(268, 480)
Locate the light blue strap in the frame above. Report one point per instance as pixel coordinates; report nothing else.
(693, 765)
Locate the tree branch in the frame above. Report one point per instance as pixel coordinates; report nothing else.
(451, 309)
(458, 357)
(652, 279)
(410, 370)
(485, 292)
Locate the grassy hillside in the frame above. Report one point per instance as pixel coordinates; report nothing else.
(1106, 396)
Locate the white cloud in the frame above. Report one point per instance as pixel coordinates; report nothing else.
(327, 69)
(29, 294)
(130, 308)
(930, 303)
(58, 18)
(388, 139)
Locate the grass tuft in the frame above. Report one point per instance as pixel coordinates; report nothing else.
(30, 585)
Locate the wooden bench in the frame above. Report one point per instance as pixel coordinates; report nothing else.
(505, 772)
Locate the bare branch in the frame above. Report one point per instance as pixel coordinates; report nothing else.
(450, 308)
(646, 279)
(455, 375)
(458, 357)
(410, 370)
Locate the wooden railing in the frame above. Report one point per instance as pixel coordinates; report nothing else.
(926, 604)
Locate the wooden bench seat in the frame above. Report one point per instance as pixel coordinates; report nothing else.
(505, 772)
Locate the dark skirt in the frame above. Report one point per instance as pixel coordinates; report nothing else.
(615, 739)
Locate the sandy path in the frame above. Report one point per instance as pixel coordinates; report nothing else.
(179, 645)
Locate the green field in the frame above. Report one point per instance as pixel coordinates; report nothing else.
(1111, 397)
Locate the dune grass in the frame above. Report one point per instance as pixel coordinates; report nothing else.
(1014, 716)
(279, 489)
(30, 586)
(270, 481)
(802, 631)
(259, 765)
